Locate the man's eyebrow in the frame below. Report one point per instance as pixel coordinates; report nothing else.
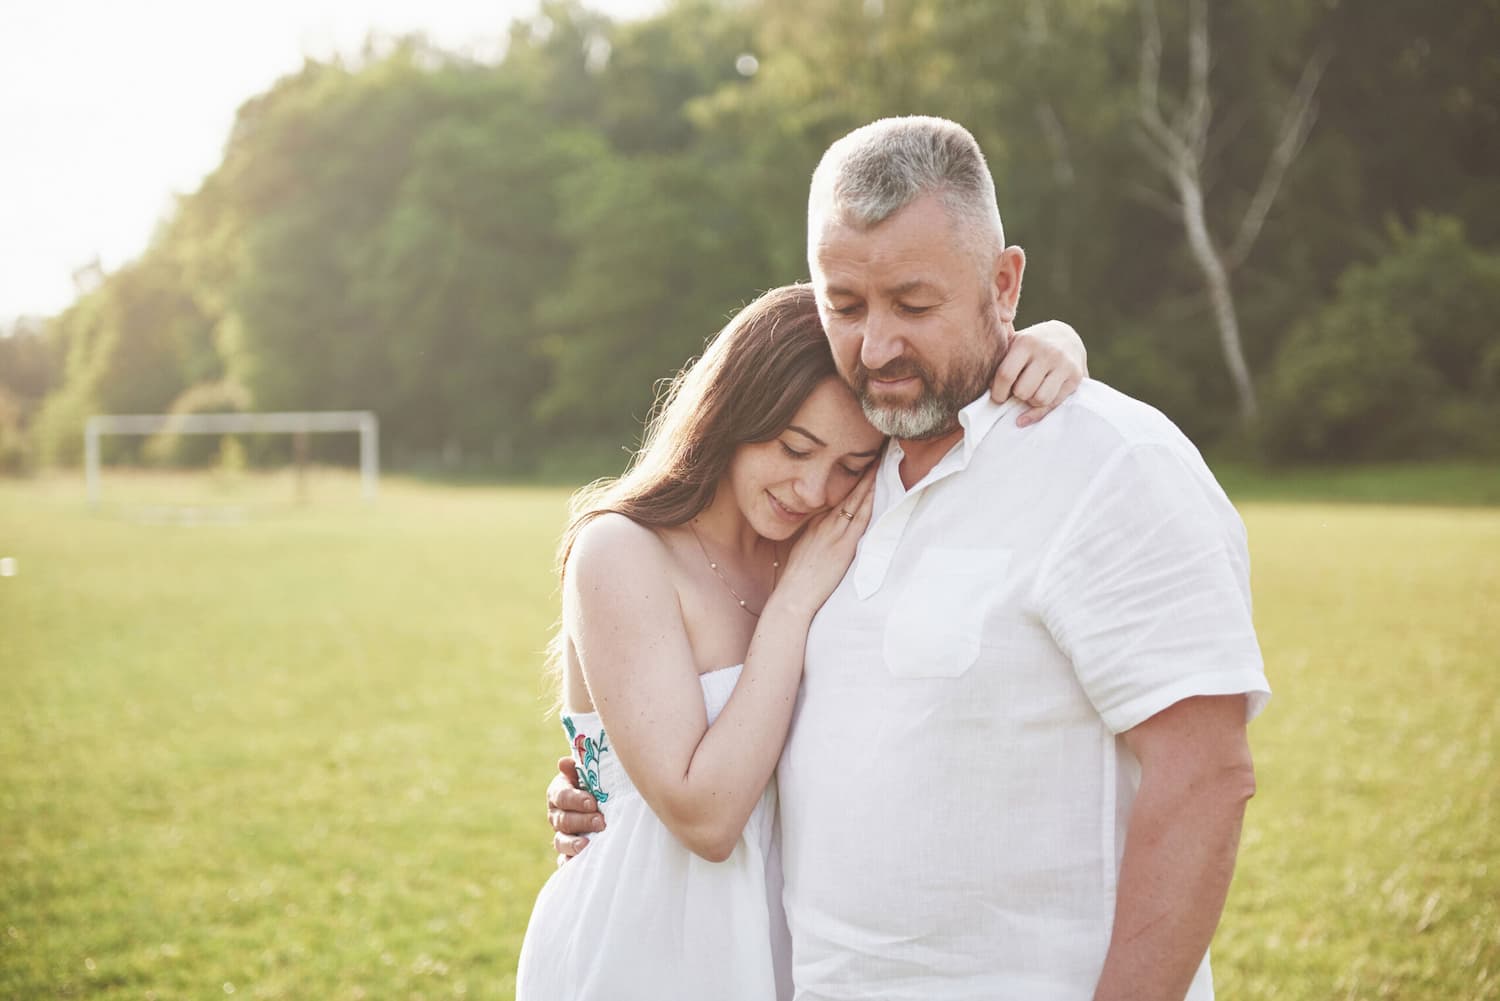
(839, 290)
(814, 438)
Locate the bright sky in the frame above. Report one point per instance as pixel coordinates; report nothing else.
(108, 108)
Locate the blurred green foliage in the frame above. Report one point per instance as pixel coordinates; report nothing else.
(501, 259)
(1401, 362)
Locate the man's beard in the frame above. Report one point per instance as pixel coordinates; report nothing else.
(935, 410)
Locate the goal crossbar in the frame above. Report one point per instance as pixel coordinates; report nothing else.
(362, 421)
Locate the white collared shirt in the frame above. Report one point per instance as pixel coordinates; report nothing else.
(954, 792)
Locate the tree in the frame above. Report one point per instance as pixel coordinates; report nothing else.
(501, 259)
(1401, 362)
(1178, 148)
(665, 251)
(29, 370)
(131, 345)
(467, 251)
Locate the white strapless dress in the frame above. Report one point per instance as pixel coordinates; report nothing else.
(638, 917)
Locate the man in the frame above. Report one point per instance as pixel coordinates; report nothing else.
(1045, 640)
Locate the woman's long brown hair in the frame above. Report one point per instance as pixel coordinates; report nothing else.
(750, 381)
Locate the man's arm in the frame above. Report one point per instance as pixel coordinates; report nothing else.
(1180, 847)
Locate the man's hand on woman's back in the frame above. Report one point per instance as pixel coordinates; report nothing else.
(571, 812)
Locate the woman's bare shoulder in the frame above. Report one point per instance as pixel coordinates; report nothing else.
(613, 546)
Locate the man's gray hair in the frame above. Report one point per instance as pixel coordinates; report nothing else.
(878, 169)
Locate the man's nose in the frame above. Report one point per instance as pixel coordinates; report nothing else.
(882, 341)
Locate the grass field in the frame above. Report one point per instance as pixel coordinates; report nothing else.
(299, 752)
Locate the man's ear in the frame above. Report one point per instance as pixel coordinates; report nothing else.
(1009, 268)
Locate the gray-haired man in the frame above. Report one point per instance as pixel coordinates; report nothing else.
(1067, 665)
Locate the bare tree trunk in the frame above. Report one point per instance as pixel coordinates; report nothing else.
(1178, 149)
(1216, 277)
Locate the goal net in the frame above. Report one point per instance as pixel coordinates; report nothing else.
(297, 423)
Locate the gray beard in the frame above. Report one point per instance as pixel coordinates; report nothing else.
(926, 418)
(935, 412)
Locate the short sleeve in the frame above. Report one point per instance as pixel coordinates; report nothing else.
(1146, 588)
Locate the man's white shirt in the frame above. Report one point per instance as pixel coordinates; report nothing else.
(954, 792)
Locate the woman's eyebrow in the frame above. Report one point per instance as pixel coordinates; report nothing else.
(806, 434)
(819, 441)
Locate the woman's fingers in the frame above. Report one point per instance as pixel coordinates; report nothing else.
(1003, 386)
(849, 506)
(867, 499)
(1029, 381)
(858, 503)
(861, 520)
(1056, 388)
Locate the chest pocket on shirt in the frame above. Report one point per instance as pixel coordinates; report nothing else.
(936, 628)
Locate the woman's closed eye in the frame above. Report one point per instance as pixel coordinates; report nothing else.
(792, 452)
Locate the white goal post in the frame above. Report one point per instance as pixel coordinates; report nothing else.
(361, 421)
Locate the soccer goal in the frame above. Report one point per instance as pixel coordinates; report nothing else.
(299, 423)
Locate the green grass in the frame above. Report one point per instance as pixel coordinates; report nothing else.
(299, 752)
(1439, 483)
(1370, 865)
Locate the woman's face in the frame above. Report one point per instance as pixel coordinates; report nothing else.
(809, 467)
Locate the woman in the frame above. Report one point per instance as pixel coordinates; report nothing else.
(688, 588)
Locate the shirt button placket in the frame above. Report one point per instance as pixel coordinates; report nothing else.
(879, 548)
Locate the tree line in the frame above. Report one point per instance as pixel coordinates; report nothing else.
(502, 259)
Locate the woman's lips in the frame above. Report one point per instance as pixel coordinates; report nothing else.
(784, 512)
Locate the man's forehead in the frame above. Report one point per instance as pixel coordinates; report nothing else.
(834, 237)
(857, 262)
(833, 222)
(858, 284)
(916, 244)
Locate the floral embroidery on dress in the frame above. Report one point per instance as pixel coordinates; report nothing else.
(588, 755)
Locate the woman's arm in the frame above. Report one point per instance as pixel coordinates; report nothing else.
(621, 610)
(1043, 365)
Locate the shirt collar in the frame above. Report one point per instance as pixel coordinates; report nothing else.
(977, 419)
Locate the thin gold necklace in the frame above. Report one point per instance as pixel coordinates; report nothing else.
(714, 566)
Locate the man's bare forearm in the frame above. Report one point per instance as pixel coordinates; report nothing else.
(1179, 858)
